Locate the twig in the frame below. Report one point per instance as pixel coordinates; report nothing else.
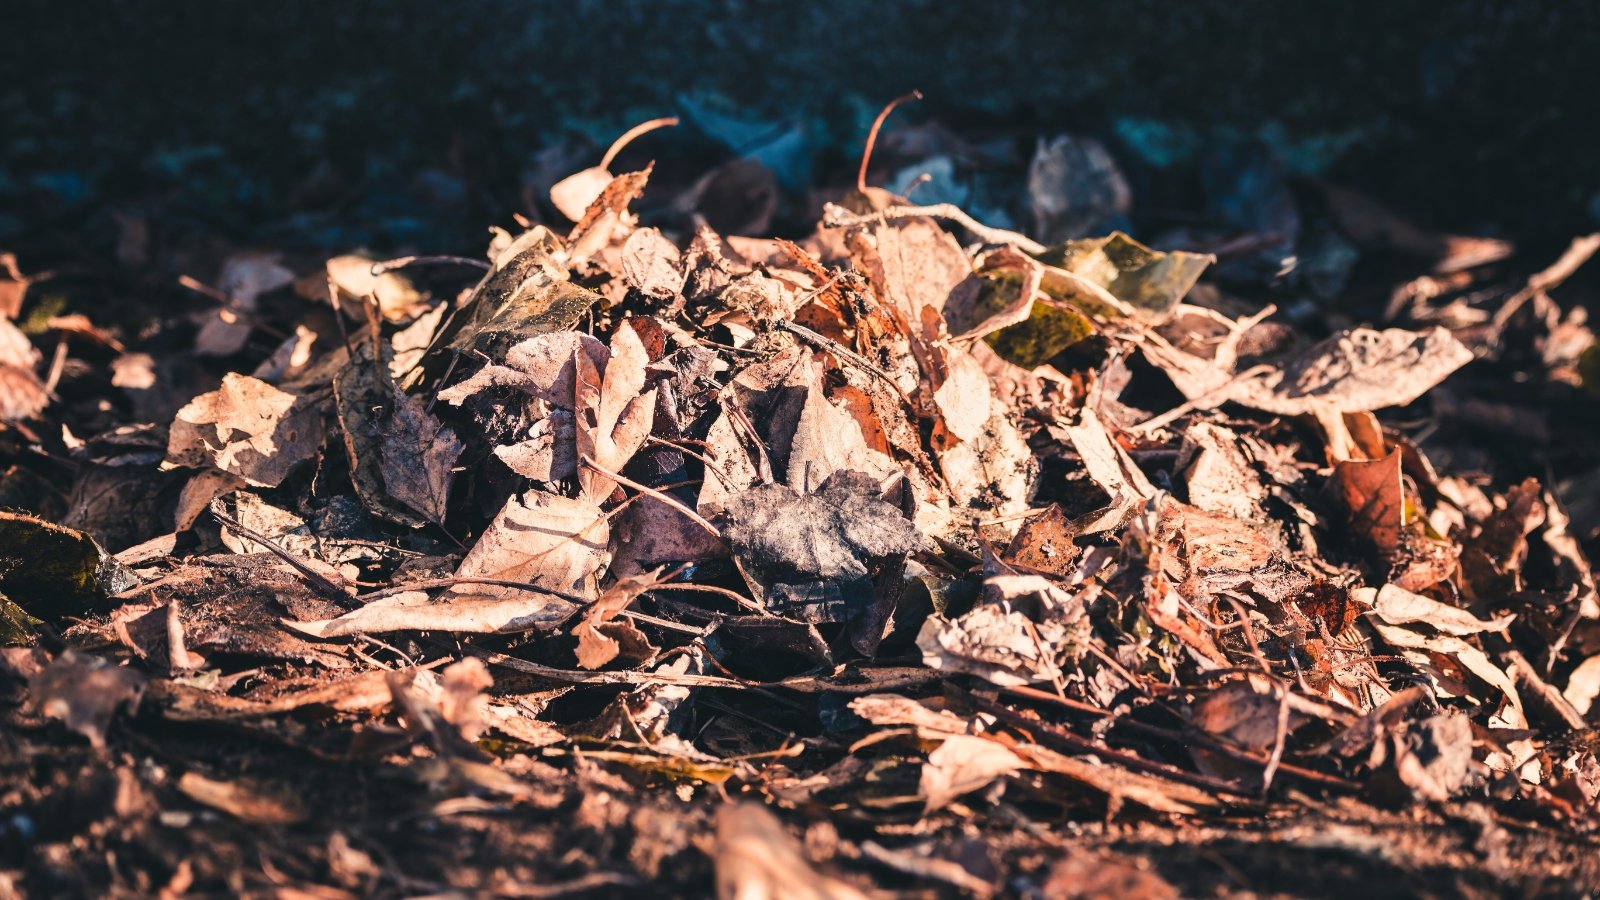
(664, 498)
(628, 136)
(838, 217)
(389, 265)
(321, 581)
(872, 136)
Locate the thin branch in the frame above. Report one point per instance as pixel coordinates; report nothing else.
(839, 217)
(872, 136)
(631, 133)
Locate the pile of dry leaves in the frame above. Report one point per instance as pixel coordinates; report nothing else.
(945, 545)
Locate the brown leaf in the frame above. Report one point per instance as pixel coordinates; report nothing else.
(613, 418)
(246, 428)
(1398, 606)
(246, 802)
(416, 611)
(351, 276)
(1374, 497)
(914, 264)
(22, 394)
(758, 860)
(598, 643)
(419, 453)
(461, 700)
(961, 765)
(573, 194)
(13, 286)
(85, 692)
(545, 539)
(597, 227)
(652, 264)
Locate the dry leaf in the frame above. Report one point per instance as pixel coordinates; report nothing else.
(419, 453)
(1398, 606)
(758, 860)
(246, 428)
(245, 802)
(961, 765)
(1375, 499)
(85, 692)
(614, 419)
(544, 539)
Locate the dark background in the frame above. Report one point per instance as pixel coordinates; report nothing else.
(1469, 116)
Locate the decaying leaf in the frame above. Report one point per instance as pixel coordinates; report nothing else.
(815, 552)
(1021, 637)
(52, 571)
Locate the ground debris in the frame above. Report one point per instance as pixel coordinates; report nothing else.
(867, 562)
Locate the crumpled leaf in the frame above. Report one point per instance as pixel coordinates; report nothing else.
(601, 634)
(419, 453)
(85, 692)
(461, 699)
(1245, 713)
(915, 264)
(1019, 637)
(1356, 370)
(963, 764)
(608, 211)
(796, 544)
(1434, 758)
(613, 417)
(246, 428)
(1111, 469)
(244, 278)
(652, 264)
(527, 294)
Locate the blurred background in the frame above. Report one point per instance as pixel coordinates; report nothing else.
(406, 124)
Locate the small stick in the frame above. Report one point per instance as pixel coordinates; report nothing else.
(872, 136)
(389, 265)
(839, 217)
(312, 575)
(664, 498)
(631, 133)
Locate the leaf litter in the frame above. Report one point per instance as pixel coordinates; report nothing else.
(913, 532)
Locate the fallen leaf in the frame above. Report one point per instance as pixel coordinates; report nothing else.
(246, 428)
(613, 417)
(419, 453)
(85, 692)
(53, 571)
(1398, 606)
(1374, 498)
(543, 539)
(756, 859)
(963, 764)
